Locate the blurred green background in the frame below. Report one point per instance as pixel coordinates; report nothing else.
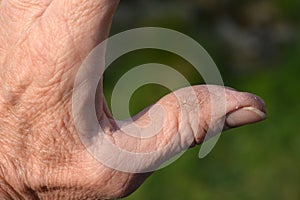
(256, 46)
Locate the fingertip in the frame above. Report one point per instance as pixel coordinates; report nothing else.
(243, 116)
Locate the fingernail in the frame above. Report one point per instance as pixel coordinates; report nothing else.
(246, 115)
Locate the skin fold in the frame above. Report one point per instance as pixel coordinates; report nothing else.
(42, 45)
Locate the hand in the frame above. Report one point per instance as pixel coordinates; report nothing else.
(42, 45)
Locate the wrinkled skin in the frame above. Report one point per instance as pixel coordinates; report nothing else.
(42, 44)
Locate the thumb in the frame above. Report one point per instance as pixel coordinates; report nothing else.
(177, 122)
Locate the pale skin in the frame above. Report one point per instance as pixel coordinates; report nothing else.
(42, 44)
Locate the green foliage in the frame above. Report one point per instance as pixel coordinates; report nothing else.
(260, 161)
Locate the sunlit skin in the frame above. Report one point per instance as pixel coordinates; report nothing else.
(42, 45)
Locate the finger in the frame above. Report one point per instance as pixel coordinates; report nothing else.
(16, 17)
(58, 42)
(87, 22)
(70, 30)
(187, 121)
